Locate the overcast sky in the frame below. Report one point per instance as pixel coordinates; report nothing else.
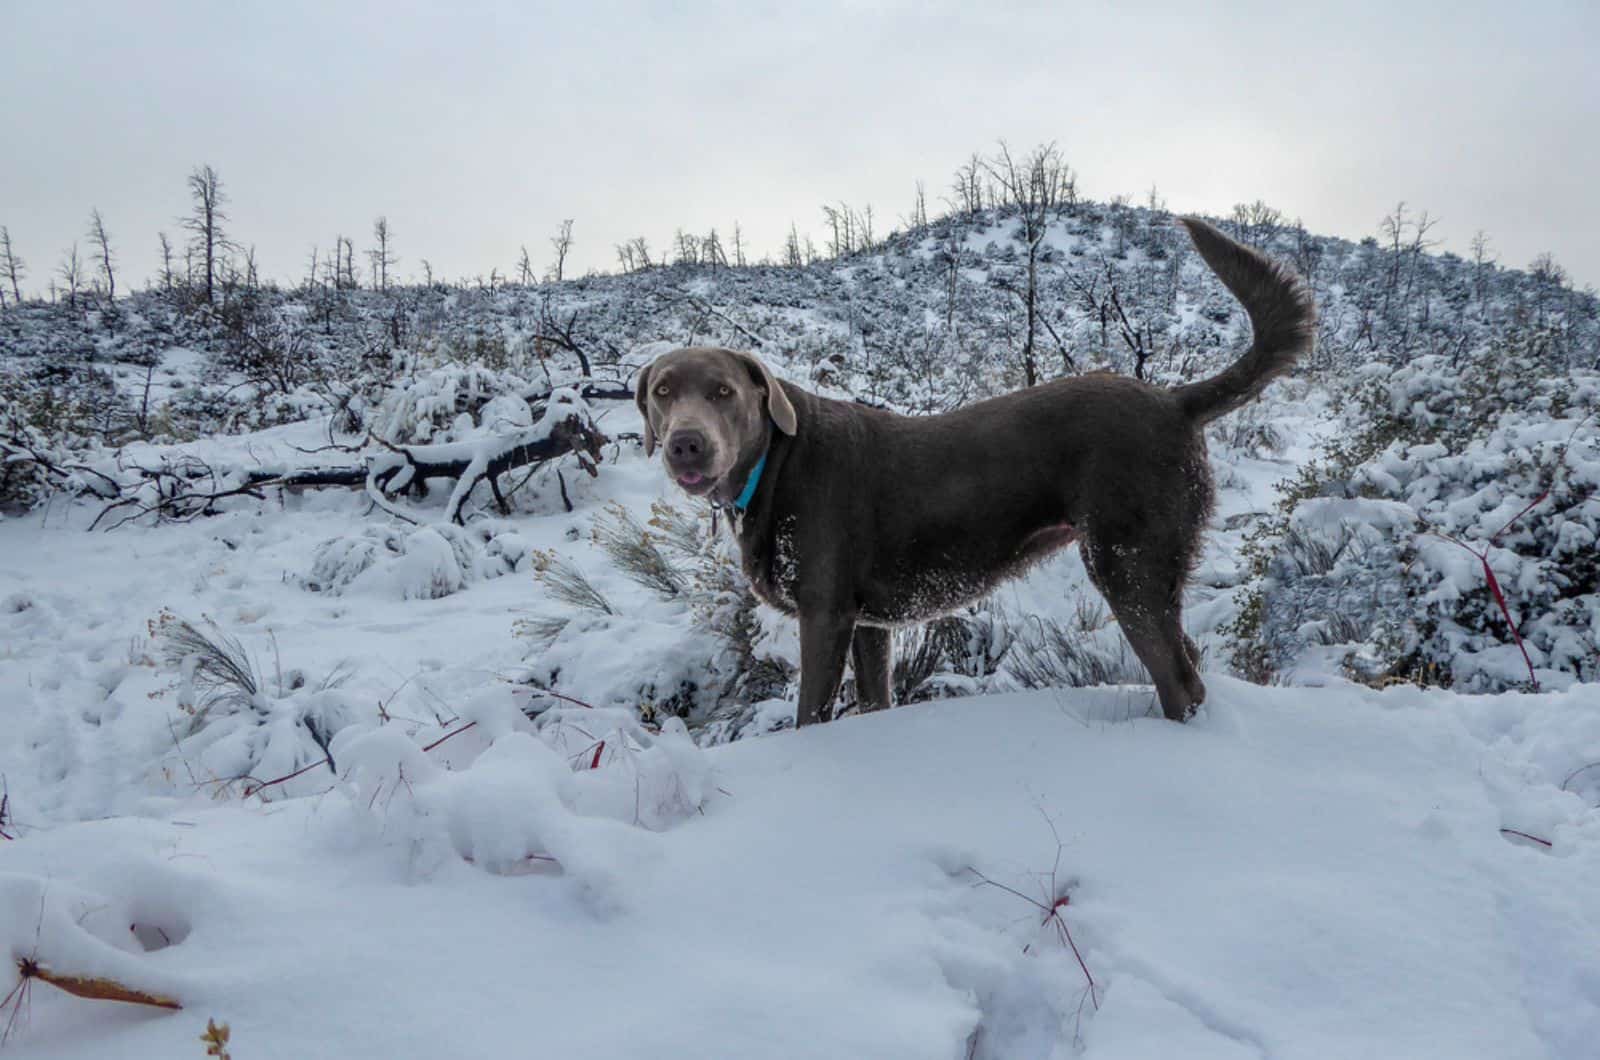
(476, 127)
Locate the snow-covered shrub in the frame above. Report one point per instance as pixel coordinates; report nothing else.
(721, 603)
(25, 480)
(708, 670)
(449, 403)
(569, 585)
(46, 445)
(1380, 548)
(244, 727)
(956, 655)
(569, 793)
(638, 553)
(1346, 561)
(1085, 650)
(415, 563)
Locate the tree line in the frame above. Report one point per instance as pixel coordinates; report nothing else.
(207, 264)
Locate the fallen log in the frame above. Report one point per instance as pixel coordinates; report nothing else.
(192, 489)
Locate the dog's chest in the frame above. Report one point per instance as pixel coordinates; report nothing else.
(773, 568)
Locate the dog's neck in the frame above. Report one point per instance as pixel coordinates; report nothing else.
(741, 502)
(738, 503)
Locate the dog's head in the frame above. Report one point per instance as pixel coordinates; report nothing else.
(708, 409)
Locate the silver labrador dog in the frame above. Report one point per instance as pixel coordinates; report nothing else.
(858, 520)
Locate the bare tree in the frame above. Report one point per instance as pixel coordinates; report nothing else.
(1100, 290)
(1482, 265)
(1036, 186)
(525, 268)
(102, 243)
(427, 272)
(1406, 239)
(919, 208)
(344, 252)
(1307, 255)
(1121, 224)
(1256, 223)
(332, 274)
(561, 243)
(791, 248)
(71, 272)
(13, 267)
(1549, 281)
(838, 237)
(950, 258)
(968, 185)
(711, 252)
(205, 223)
(382, 255)
(311, 268)
(166, 262)
(688, 247)
(738, 246)
(641, 251)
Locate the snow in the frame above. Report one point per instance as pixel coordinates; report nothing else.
(1302, 872)
(398, 844)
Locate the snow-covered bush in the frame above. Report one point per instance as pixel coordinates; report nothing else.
(449, 403)
(1085, 650)
(415, 563)
(730, 653)
(1379, 551)
(569, 792)
(244, 727)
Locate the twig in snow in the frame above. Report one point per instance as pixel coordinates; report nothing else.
(1052, 913)
(1059, 897)
(259, 788)
(1577, 772)
(448, 735)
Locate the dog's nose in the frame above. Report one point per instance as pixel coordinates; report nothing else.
(686, 445)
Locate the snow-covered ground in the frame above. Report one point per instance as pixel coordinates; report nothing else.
(1301, 872)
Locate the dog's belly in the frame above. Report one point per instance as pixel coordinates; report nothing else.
(920, 596)
(908, 595)
(900, 590)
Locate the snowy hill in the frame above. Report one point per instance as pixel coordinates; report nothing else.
(365, 748)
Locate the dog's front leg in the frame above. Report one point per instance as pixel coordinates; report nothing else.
(824, 643)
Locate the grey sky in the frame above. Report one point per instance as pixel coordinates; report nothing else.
(477, 127)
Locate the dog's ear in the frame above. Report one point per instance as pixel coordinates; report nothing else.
(641, 397)
(779, 407)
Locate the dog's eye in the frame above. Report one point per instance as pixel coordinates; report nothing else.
(724, 391)
(661, 391)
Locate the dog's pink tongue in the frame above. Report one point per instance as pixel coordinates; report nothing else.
(691, 479)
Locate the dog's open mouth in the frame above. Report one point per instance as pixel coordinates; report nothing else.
(694, 482)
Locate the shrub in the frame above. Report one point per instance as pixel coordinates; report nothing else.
(1378, 547)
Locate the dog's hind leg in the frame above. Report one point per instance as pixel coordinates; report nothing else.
(870, 655)
(1143, 585)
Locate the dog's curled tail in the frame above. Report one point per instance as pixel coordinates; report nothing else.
(1282, 315)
